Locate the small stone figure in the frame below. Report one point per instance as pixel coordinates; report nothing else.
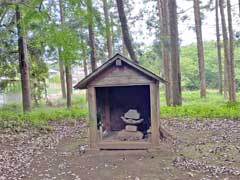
(130, 133)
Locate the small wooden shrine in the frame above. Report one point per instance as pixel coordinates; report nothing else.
(123, 100)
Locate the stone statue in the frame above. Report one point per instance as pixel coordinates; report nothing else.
(130, 133)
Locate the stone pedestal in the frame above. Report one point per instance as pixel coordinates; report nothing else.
(130, 133)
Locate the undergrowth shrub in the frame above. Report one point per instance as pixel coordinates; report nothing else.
(205, 111)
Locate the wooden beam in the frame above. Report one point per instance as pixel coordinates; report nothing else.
(124, 145)
(92, 123)
(154, 105)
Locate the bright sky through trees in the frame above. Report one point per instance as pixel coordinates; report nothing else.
(186, 33)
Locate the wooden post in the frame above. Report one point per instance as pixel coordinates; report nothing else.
(154, 103)
(92, 118)
(107, 123)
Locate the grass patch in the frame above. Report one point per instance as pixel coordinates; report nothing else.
(204, 111)
(12, 117)
(213, 106)
(193, 98)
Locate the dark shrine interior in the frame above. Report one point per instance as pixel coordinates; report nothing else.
(113, 102)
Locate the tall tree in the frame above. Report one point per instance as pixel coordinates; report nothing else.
(164, 33)
(239, 6)
(91, 34)
(68, 84)
(62, 73)
(124, 49)
(232, 90)
(60, 61)
(83, 49)
(226, 46)
(108, 28)
(198, 26)
(219, 55)
(125, 31)
(176, 92)
(67, 64)
(23, 62)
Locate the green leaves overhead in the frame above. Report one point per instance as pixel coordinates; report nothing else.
(67, 40)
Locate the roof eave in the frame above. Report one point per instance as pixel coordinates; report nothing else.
(83, 83)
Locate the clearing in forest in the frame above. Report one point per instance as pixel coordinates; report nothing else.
(204, 149)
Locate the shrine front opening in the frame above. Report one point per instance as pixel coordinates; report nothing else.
(114, 102)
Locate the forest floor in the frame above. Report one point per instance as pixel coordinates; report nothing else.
(203, 149)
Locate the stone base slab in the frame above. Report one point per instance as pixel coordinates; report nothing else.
(129, 136)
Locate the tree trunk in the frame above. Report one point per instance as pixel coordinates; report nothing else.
(108, 30)
(219, 49)
(176, 92)
(232, 89)
(69, 85)
(225, 44)
(62, 74)
(163, 18)
(239, 6)
(112, 33)
(61, 64)
(67, 64)
(85, 67)
(125, 31)
(23, 64)
(124, 49)
(201, 66)
(91, 34)
(70, 79)
(84, 54)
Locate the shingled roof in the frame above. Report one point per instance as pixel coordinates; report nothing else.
(83, 83)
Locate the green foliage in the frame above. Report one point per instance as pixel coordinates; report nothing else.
(213, 106)
(11, 116)
(76, 99)
(202, 111)
(8, 51)
(38, 76)
(64, 38)
(151, 60)
(189, 65)
(55, 79)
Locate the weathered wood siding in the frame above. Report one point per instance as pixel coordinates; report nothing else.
(155, 113)
(120, 76)
(114, 104)
(92, 121)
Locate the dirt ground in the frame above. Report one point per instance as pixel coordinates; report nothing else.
(203, 149)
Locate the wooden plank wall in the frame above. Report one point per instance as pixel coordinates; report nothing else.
(154, 101)
(123, 75)
(92, 117)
